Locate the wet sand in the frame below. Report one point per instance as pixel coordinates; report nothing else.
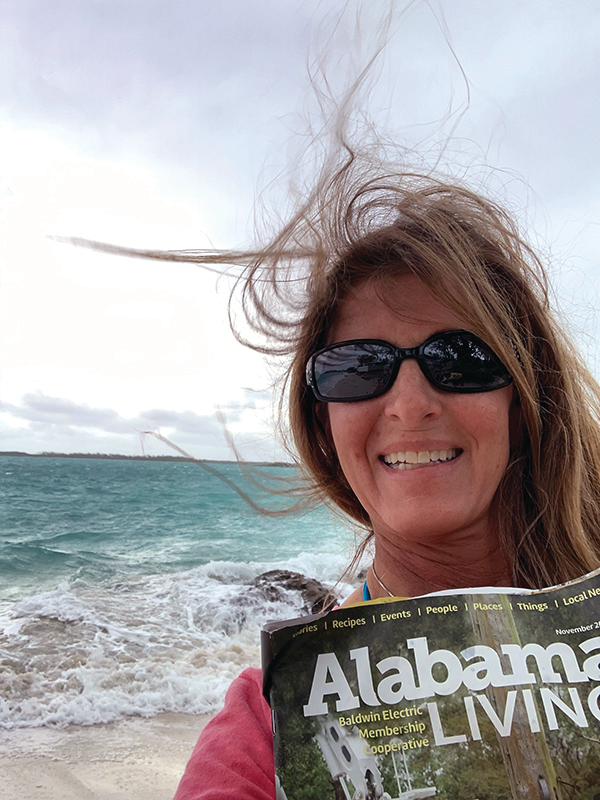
(136, 759)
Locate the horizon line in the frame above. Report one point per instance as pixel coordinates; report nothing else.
(123, 457)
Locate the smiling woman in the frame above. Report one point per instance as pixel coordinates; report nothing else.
(414, 256)
(432, 398)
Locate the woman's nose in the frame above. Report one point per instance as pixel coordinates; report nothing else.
(412, 398)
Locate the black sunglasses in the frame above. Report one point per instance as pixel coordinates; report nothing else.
(359, 369)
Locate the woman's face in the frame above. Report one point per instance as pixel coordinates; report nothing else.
(460, 441)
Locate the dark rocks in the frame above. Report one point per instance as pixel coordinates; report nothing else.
(315, 596)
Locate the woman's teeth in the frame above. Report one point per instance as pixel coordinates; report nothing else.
(413, 460)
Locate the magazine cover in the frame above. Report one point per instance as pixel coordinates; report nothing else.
(487, 695)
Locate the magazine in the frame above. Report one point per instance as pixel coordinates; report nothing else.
(484, 695)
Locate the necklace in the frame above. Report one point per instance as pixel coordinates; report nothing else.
(380, 582)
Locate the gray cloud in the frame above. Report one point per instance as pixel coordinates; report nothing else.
(60, 425)
(163, 81)
(55, 419)
(40, 408)
(198, 84)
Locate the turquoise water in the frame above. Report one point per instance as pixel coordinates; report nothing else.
(126, 586)
(66, 518)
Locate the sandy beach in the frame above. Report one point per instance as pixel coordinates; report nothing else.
(136, 759)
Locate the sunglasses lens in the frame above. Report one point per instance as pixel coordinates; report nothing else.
(353, 371)
(460, 362)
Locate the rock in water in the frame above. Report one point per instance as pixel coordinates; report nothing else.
(314, 594)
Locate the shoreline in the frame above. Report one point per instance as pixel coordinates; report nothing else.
(133, 759)
(120, 457)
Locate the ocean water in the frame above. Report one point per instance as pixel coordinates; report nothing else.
(126, 587)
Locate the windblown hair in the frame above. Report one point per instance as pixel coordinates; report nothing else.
(364, 222)
(358, 227)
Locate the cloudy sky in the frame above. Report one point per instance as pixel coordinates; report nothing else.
(155, 124)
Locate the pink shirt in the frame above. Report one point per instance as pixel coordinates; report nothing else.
(233, 759)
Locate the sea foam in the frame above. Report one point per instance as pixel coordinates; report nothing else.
(139, 645)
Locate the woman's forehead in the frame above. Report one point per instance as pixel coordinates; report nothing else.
(404, 298)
